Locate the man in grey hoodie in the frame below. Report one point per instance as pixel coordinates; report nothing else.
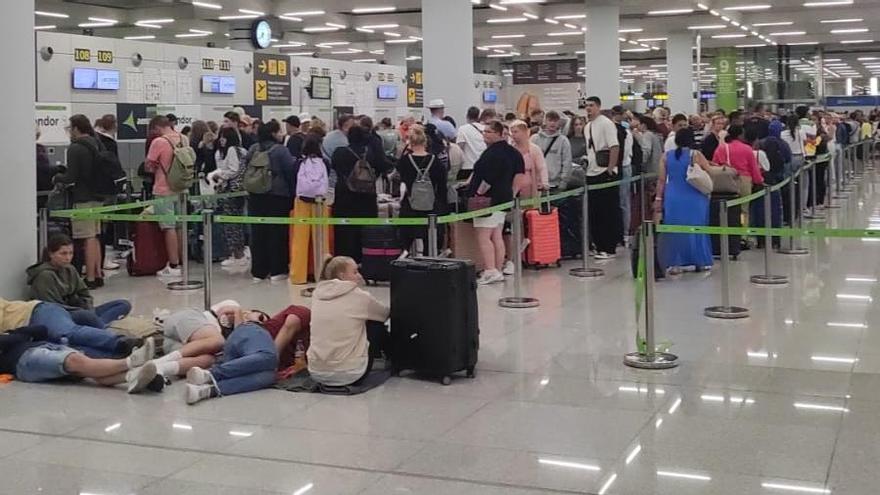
(556, 149)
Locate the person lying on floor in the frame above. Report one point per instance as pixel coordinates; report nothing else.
(248, 363)
(193, 337)
(56, 280)
(92, 341)
(26, 354)
(347, 327)
(289, 328)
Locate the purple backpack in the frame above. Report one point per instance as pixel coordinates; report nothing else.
(311, 181)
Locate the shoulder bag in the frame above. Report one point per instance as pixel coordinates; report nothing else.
(698, 178)
(725, 178)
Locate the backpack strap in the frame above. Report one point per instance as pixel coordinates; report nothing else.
(552, 142)
(422, 173)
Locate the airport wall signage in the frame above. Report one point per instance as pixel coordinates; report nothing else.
(545, 71)
(271, 79)
(415, 88)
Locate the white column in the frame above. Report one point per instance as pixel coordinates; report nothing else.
(679, 65)
(448, 54)
(18, 245)
(395, 54)
(603, 52)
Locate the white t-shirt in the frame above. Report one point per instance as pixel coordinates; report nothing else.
(601, 134)
(470, 139)
(796, 142)
(670, 142)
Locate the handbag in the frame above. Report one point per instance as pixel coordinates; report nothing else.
(699, 178)
(475, 203)
(603, 157)
(725, 178)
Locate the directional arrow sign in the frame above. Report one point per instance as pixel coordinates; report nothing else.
(262, 66)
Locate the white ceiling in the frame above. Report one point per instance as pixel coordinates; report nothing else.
(640, 30)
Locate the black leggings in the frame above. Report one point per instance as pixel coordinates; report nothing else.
(270, 244)
(377, 335)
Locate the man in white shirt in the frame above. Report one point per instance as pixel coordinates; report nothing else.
(679, 122)
(470, 140)
(438, 111)
(603, 152)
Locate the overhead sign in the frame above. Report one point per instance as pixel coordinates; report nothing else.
(133, 120)
(208, 64)
(545, 71)
(271, 79)
(105, 56)
(224, 65)
(82, 54)
(725, 85)
(415, 88)
(852, 101)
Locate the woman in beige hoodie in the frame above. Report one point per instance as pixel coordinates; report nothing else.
(346, 322)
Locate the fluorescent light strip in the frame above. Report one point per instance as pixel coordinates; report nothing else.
(543, 54)
(853, 42)
(242, 434)
(142, 37)
(723, 36)
(831, 359)
(545, 43)
(607, 485)
(114, 426)
(707, 26)
(319, 29)
(632, 455)
(570, 17)
(95, 24)
(506, 20)
(850, 30)
(305, 13)
(855, 278)
(155, 21)
(675, 406)
(507, 36)
(237, 17)
(840, 21)
(397, 40)
(828, 4)
(304, 489)
(497, 7)
(748, 7)
(373, 10)
(819, 407)
(768, 24)
(381, 26)
(567, 464)
(854, 297)
(788, 33)
(670, 12)
(565, 33)
(43, 13)
(630, 30)
(207, 5)
(45, 27)
(794, 488)
(252, 12)
(687, 476)
(181, 426)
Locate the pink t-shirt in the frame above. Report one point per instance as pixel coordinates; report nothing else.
(161, 155)
(742, 158)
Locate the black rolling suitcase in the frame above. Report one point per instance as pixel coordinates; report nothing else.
(380, 245)
(570, 228)
(734, 219)
(434, 317)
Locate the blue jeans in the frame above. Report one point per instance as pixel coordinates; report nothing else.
(93, 342)
(43, 363)
(249, 361)
(102, 316)
(626, 172)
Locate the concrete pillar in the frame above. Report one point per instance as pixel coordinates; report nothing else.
(448, 54)
(680, 82)
(603, 52)
(395, 54)
(19, 185)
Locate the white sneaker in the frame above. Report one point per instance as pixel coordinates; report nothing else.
(490, 277)
(197, 393)
(247, 252)
(233, 261)
(199, 376)
(602, 255)
(496, 277)
(509, 268)
(257, 280)
(278, 278)
(447, 253)
(138, 378)
(111, 265)
(403, 255)
(169, 272)
(142, 354)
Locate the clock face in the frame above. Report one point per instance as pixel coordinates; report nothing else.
(262, 34)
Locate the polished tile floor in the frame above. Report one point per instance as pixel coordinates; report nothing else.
(786, 401)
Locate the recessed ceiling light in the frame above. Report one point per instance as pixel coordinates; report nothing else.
(853, 42)
(237, 17)
(381, 26)
(749, 7)
(789, 33)
(373, 10)
(630, 30)
(305, 13)
(828, 3)
(507, 36)
(254, 12)
(840, 21)
(670, 12)
(207, 5)
(141, 37)
(505, 20)
(45, 27)
(44, 13)
(319, 29)
(722, 36)
(768, 24)
(570, 16)
(547, 43)
(565, 33)
(401, 40)
(847, 31)
(708, 26)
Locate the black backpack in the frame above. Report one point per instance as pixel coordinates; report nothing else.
(437, 144)
(638, 158)
(621, 141)
(107, 176)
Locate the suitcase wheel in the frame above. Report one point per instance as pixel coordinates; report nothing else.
(446, 380)
(471, 372)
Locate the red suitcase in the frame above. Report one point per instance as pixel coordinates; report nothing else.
(542, 230)
(148, 255)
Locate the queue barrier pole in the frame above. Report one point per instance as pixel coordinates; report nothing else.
(814, 214)
(650, 359)
(584, 271)
(43, 231)
(208, 243)
(185, 283)
(432, 235)
(725, 311)
(518, 301)
(830, 181)
(838, 176)
(767, 278)
(793, 188)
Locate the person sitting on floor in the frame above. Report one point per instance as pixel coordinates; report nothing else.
(348, 329)
(92, 341)
(26, 353)
(56, 280)
(290, 328)
(248, 363)
(192, 338)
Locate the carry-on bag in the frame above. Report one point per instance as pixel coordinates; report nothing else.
(148, 256)
(542, 230)
(434, 316)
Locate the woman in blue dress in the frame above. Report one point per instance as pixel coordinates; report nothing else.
(680, 203)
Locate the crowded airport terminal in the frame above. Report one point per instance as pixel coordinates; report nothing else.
(437, 247)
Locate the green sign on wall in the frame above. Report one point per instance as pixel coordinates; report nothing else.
(726, 86)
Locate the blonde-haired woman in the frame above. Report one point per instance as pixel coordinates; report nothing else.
(535, 179)
(415, 165)
(347, 326)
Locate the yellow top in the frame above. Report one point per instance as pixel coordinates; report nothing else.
(867, 130)
(15, 314)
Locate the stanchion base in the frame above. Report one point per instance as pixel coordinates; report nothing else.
(307, 292)
(847, 189)
(833, 206)
(769, 279)
(726, 313)
(518, 302)
(660, 361)
(584, 272)
(185, 285)
(794, 251)
(817, 217)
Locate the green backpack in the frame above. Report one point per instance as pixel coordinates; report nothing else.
(258, 175)
(181, 174)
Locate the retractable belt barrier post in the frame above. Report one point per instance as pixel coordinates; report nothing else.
(584, 271)
(793, 188)
(432, 235)
(518, 300)
(185, 283)
(208, 230)
(814, 214)
(650, 358)
(725, 311)
(767, 278)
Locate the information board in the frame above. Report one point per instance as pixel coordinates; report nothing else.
(545, 71)
(271, 79)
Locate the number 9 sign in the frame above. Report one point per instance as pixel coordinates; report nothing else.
(724, 65)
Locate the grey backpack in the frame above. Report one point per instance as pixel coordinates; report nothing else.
(421, 197)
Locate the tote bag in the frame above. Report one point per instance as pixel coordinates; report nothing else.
(725, 179)
(699, 178)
